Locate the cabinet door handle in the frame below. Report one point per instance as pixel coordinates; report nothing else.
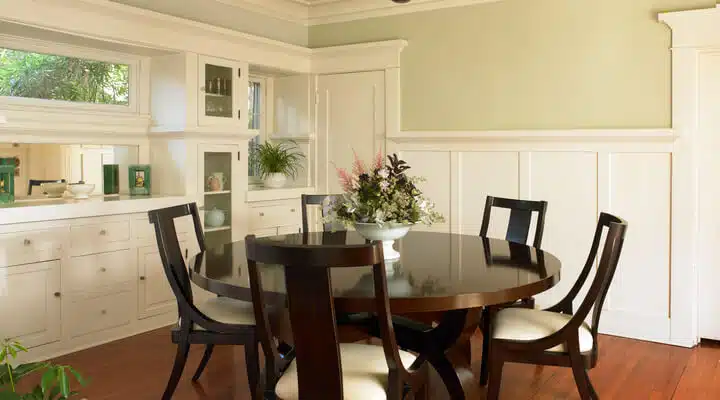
(103, 269)
(292, 210)
(103, 312)
(27, 242)
(103, 232)
(142, 278)
(57, 294)
(262, 214)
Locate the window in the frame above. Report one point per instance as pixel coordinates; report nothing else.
(56, 77)
(256, 124)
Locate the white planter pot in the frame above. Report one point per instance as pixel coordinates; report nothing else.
(275, 180)
(387, 233)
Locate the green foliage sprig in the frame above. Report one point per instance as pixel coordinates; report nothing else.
(277, 158)
(54, 379)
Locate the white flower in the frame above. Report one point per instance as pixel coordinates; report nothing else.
(384, 173)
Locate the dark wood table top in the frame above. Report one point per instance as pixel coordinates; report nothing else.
(436, 272)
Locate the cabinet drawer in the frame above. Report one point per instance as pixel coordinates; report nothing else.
(96, 314)
(273, 216)
(144, 230)
(87, 273)
(31, 246)
(99, 237)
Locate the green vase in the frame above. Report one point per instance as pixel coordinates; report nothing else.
(111, 178)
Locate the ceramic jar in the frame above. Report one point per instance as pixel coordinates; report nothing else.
(215, 218)
(216, 182)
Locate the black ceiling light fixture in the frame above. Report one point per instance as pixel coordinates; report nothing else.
(401, 1)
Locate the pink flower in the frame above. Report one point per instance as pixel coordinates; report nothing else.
(346, 180)
(378, 160)
(358, 165)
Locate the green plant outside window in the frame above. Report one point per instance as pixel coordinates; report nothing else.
(55, 77)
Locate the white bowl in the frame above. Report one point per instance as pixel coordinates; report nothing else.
(53, 190)
(387, 233)
(81, 190)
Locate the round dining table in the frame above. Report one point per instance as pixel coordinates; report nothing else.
(451, 276)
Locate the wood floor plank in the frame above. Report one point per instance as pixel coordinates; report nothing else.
(137, 368)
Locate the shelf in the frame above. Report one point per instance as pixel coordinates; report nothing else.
(217, 229)
(218, 192)
(218, 95)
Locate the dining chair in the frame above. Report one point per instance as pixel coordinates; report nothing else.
(216, 321)
(322, 200)
(558, 336)
(323, 368)
(520, 218)
(38, 182)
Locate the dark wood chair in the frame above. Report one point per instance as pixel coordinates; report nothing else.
(323, 368)
(217, 321)
(322, 200)
(557, 336)
(38, 182)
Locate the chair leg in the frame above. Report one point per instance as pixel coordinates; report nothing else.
(485, 329)
(495, 378)
(180, 358)
(582, 380)
(252, 364)
(203, 363)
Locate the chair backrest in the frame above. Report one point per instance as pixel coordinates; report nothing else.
(322, 200)
(312, 311)
(38, 182)
(520, 218)
(170, 252)
(595, 297)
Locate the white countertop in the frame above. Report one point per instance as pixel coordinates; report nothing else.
(41, 209)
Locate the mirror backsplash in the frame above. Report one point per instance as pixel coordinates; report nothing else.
(73, 163)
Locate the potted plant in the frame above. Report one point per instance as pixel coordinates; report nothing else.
(54, 379)
(277, 161)
(382, 202)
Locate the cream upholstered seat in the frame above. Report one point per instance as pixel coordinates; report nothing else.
(531, 324)
(227, 311)
(364, 373)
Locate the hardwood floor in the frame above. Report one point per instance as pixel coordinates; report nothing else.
(137, 368)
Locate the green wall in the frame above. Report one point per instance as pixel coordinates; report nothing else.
(529, 64)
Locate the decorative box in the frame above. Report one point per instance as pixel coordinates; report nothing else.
(111, 178)
(139, 179)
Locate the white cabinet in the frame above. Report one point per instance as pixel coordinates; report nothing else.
(30, 302)
(154, 293)
(275, 217)
(222, 186)
(222, 98)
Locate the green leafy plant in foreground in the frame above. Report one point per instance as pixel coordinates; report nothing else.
(54, 379)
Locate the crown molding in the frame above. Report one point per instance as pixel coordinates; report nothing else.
(333, 11)
(694, 28)
(358, 57)
(318, 12)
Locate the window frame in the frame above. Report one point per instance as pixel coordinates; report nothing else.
(262, 132)
(67, 50)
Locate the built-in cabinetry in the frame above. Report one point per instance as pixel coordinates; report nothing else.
(195, 92)
(74, 283)
(269, 218)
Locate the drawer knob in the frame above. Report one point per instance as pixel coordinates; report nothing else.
(56, 294)
(262, 214)
(103, 269)
(103, 232)
(103, 312)
(27, 242)
(292, 210)
(142, 278)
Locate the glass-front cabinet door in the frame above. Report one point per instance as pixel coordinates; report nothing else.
(219, 187)
(220, 91)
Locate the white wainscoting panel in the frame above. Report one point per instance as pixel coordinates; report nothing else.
(580, 174)
(435, 166)
(484, 173)
(568, 182)
(636, 186)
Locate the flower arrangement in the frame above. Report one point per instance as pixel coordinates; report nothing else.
(382, 194)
